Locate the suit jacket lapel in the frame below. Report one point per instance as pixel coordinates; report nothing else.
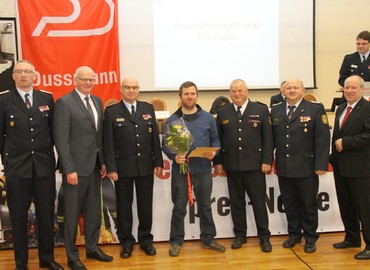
(82, 106)
(98, 110)
(352, 115)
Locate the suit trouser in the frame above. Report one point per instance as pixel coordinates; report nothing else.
(300, 202)
(254, 183)
(353, 195)
(347, 207)
(82, 198)
(20, 192)
(144, 200)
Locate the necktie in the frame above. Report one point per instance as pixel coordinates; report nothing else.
(349, 108)
(239, 112)
(27, 101)
(133, 111)
(363, 59)
(89, 108)
(290, 112)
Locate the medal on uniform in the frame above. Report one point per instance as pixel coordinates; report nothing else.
(11, 123)
(255, 124)
(150, 130)
(305, 130)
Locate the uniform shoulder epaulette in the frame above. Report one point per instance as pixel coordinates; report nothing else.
(47, 92)
(109, 105)
(315, 102)
(275, 104)
(4, 92)
(259, 102)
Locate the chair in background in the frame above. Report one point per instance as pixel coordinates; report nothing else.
(309, 97)
(160, 108)
(158, 103)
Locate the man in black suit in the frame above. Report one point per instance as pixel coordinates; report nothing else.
(26, 147)
(78, 133)
(351, 162)
(357, 63)
(244, 129)
(279, 97)
(302, 141)
(133, 155)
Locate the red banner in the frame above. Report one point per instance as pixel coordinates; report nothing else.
(58, 36)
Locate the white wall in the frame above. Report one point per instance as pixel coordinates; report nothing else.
(337, 24)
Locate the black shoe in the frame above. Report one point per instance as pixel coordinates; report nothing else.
(238, 242)
(100, 256)
(363, 255)
(346, 244)
(76, 265)
(291, 241)
(310, 247)
(51, 265)
(149, 249)
(265, 245)
(126, 252)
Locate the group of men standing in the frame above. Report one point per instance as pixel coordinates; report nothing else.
(246, 132)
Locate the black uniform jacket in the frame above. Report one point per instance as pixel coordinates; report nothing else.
(26, 135)
(352, 65)
(354, 159)
(302, 143)
(131, 146)
(246, 143)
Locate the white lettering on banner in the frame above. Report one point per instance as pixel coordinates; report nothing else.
(106, 77)
(69, 19)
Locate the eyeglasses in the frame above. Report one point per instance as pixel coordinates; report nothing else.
(127, 87)
(85, 80)
(26, 71)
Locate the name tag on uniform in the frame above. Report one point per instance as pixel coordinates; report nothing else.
(120, 119)
(224, 122)
(353, 66)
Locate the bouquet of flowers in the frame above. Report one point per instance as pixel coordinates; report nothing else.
(178, 139)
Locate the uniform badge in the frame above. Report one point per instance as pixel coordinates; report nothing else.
(44, 108)
(304, 119)
(120, 119)
(353, 66)
(147, 116)
(150, 130)
(255, 124)
(324, 119)
(11, 123)
(224, 122)
(305, 129)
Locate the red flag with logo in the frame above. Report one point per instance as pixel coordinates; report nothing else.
(59, 36)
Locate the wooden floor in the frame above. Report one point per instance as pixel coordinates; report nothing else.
(194, 257)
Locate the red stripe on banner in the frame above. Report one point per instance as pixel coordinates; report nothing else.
(59, 36)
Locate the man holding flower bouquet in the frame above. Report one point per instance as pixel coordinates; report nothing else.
(203, 130)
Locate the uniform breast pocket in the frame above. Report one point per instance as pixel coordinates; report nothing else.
(149, 126)
(306, 128)
(120, 125)
(12, 120)
(45, 115)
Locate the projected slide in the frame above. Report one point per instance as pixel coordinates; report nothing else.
(211, 45)
(212, 42)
